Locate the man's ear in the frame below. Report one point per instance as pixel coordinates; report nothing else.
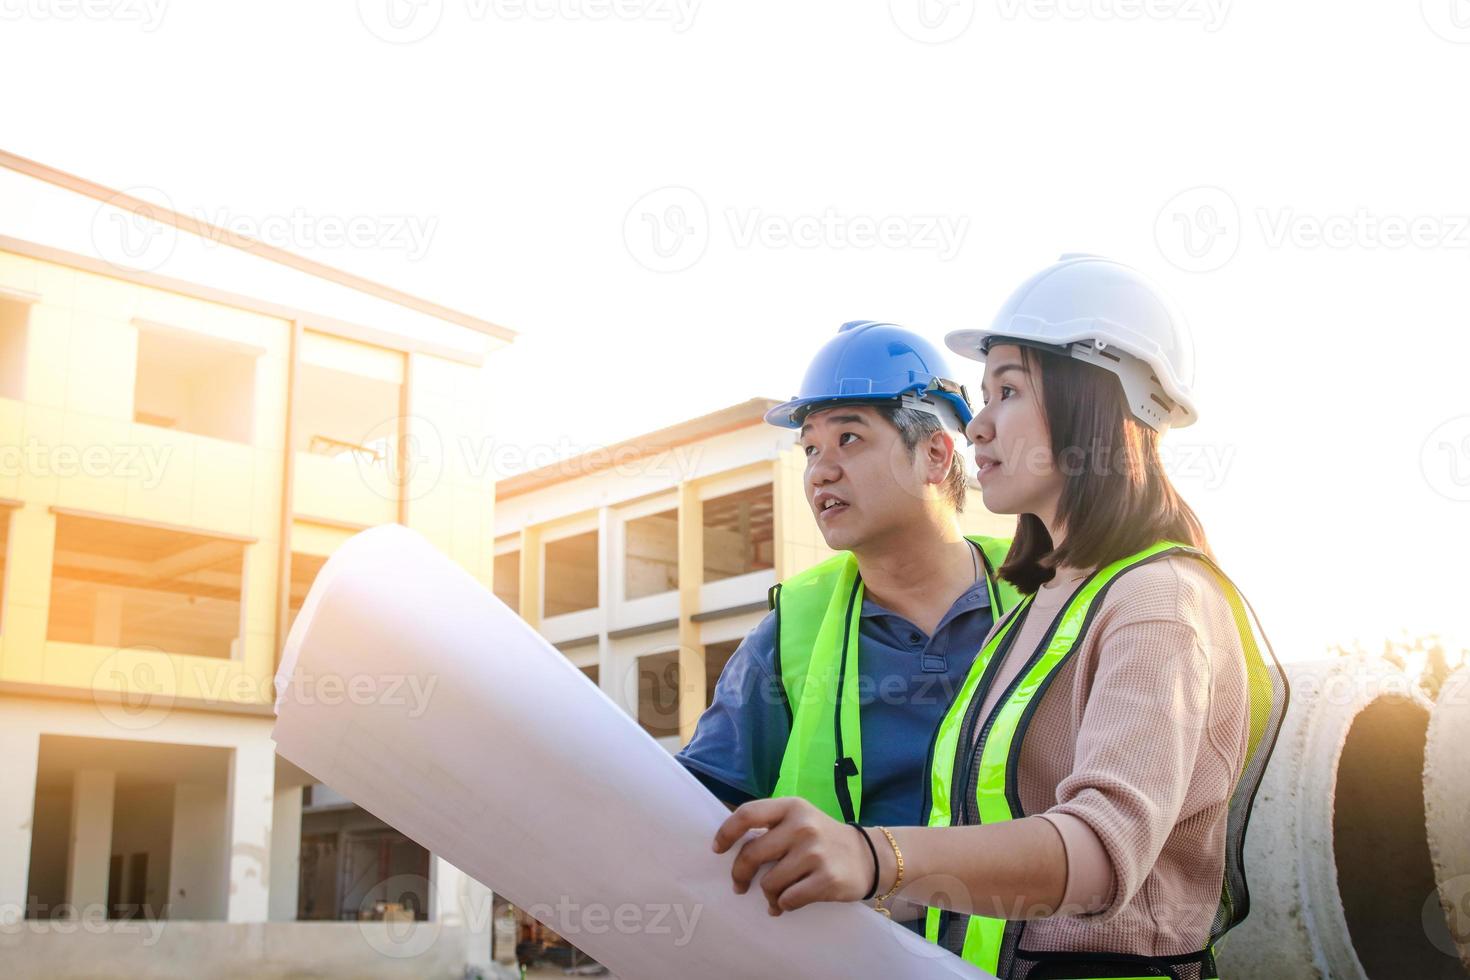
(940, 450)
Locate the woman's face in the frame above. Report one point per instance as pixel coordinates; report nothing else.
(1016, 470)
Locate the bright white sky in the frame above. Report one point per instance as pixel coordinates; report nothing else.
(1332, 462)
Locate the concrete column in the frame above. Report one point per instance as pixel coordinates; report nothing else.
(20, 748)
(88, 860)
(612, 677)
(457, 900)
(197, 858)
(531, 576)
(249, 806)
(691, 577)
(285, 874)
(785, 488)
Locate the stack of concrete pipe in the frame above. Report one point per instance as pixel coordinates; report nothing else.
(1358, 850)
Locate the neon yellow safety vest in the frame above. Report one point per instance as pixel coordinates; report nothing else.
(978, 784)
(817, 616)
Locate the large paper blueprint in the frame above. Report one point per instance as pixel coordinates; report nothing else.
(462, 727)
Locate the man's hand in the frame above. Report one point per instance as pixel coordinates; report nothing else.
(815, 858)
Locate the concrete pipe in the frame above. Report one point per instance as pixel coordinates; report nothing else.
(1447, 811)
(1336, 857)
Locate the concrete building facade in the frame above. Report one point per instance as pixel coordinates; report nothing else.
(180, 459)
(647, 562)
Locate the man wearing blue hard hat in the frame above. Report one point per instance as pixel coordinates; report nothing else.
(836, 694)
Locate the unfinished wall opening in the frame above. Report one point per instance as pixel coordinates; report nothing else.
(348, 417)
(195, 383)
(14, 316)
(116, 584)
(739, 533)
(508, 579)
(570, 575)
(651, 555)
(658, 693)
(154, 838)
(354, 867)
(716, 656)
(1379, 842)
(304, 570)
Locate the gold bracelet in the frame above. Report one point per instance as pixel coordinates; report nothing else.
(897, 880)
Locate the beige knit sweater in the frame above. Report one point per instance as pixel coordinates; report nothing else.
(1133, 753)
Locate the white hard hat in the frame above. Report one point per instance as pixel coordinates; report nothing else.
(1104, 313)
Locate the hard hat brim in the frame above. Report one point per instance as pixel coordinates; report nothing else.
(791, 414)
(1059, 338)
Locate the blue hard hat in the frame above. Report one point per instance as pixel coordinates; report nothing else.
(870, 361)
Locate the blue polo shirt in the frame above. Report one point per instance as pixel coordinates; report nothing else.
(906, 682)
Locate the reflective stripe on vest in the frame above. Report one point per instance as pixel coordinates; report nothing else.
(818, 613)
(954, 775)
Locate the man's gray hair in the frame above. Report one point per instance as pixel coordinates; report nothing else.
(914, 426)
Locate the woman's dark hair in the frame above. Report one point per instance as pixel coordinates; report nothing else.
(1116, 498)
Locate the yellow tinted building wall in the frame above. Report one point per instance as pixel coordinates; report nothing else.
(79, 448)
(74, 444)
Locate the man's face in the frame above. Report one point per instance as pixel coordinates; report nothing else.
(861, 481)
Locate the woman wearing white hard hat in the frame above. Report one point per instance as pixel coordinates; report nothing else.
(1088, 790)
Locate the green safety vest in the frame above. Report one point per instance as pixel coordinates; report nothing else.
(956, 776)
(817, 617)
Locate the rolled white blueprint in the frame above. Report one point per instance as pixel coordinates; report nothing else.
(499, 756)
